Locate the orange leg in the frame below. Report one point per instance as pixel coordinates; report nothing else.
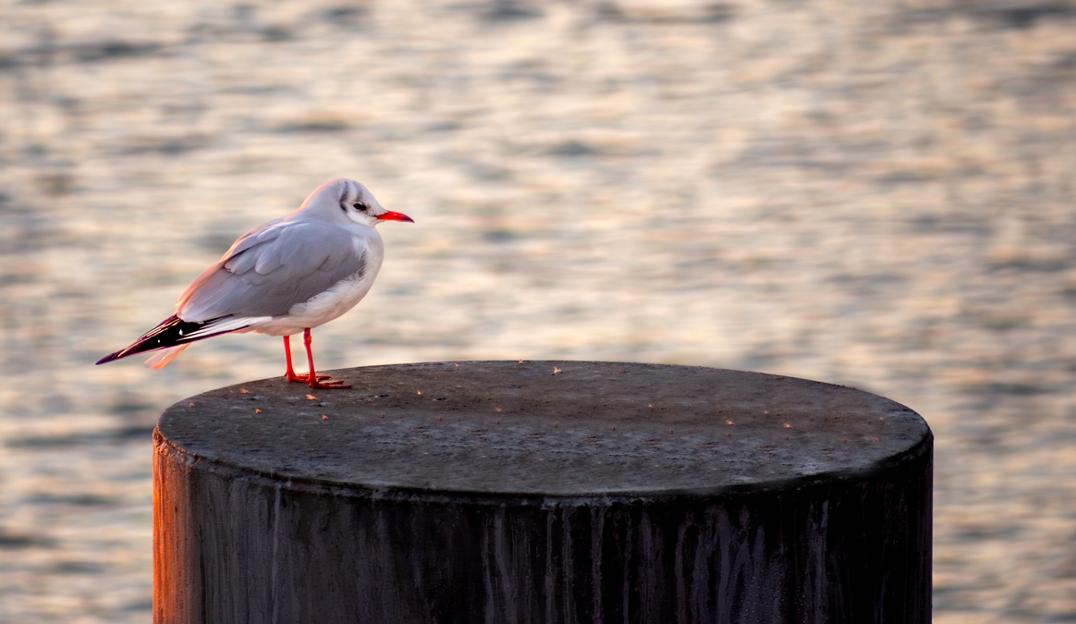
(290, 374)
(311, 377)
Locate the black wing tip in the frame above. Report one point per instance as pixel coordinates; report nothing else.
(143, 344)
(109, 358)
(169, 333)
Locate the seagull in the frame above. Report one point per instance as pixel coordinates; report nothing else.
(284, 277)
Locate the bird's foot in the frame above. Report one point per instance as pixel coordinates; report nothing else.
(297, 378)
(321, 382)
(331, 384)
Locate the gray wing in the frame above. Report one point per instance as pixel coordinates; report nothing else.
(271, 269)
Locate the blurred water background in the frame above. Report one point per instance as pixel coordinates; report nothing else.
(872, 193)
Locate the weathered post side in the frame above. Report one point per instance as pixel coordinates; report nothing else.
(542, 492)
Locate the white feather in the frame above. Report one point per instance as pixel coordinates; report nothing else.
(227, 325)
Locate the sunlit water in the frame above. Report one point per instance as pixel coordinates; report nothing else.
(878, 195)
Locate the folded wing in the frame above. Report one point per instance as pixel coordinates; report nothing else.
(272, 269)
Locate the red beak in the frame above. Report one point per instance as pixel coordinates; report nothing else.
(394, 216)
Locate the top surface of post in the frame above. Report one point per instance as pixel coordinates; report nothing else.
(544, 428)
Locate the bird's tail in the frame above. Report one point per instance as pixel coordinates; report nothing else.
(161, 358)
(173, 335)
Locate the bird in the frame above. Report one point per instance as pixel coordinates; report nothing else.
(285, 276)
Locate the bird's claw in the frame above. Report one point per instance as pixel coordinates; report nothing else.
(303, 378)
(334, 384)
(321, 382)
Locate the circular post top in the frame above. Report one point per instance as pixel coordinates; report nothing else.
(543, 428)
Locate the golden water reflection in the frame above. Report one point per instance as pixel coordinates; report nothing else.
(878, 195)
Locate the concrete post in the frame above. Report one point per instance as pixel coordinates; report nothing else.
(542, 492)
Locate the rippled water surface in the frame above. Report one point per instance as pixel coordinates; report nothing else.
(877, 194)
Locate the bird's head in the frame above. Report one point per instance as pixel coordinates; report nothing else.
(355, 201)
(359, 205)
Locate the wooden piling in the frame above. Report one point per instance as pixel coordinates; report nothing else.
(542, 492)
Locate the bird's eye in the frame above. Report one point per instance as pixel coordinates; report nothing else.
(360, 207)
